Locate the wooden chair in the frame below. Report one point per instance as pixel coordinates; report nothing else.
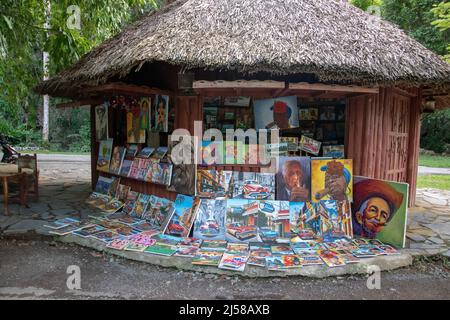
(28, 165)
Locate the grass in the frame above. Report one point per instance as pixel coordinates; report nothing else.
(434, 161)
(441, 182)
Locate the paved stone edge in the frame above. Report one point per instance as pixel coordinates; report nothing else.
(385, 263)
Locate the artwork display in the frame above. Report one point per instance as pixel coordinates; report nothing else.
(118, 156)
(135, 133)
(213, 184)
(294, 179)
(101, 122)
(256, 186)
(281, 113)
(335, 152)
(380, 210)
(104, 155)
(161, 112)
(332, 180)
(210, 220)
(310, 145)
(183, 216)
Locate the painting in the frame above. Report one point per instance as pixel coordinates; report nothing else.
(380, 210)
(145, 107)
(104, 155)
(117, 158)
(161, 113)
(332, 180)
(335, 152)
(278, 113)
(310, 145)
(214, 184)
(254, 186)
(101, 122)
(273, 221)
(294, 179)
(180, 223)
(135, 133)
(240, 221)
(210, 220)
(304, 221)
(183, 156)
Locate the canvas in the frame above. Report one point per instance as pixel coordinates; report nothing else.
(158, 212)
(104, 185)
(253, 186)
(183, 179)
(125, 169)
(104, 155)
(146, 152)
(310, 145)
(144, 166)
(213, 184)
(273, 221)
(294, 179)
(330, 220)
(118, 156)
(145, 107)
(140, 206)
(161, 113)
(380, 210)
(132, 150)
(233, 261)
(210, 220)
(163, 174)
(135, 133)
(101, 122)
(304, 221)
(335, 152)
(332, 180)
(134, 169)
(281, 113)
(180, 223)
(240, 220)
(160, 152)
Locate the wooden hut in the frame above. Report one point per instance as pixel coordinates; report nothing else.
(318, 50)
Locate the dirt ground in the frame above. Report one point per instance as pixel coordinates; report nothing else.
(38, 270)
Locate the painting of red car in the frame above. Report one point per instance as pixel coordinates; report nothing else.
(252, 189)
(241, 232)
(175, 228)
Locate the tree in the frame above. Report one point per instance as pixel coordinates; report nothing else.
(23, 39)
(442, 14)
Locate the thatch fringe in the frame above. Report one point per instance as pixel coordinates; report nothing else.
(329, 38)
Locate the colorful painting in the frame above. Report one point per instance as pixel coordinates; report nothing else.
(101, 122)
(144, 104)
(310, 145)
(380, 210)
(240, 221)
(335, 152)
(210, 220)
(104, 155)
(126, 166)
(161, 113)
(332, 180)
(180, 223)
(214, 184)
(278, 113)
(212, 153)
(117, 158)
(158, 212)
(135, 133)
(294, 179)
(146, 152)
(331, 220)
(163, 174)
(304, 221)
(254, 186)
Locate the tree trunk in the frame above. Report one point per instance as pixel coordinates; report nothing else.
(45, 58)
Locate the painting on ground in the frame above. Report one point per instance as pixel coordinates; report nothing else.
(101, 122)
(305, 223)
(214, 184)
(380, 210)
(273, 221)
(252, 185)
(332, 180)
(294, 179)
(241, 218)
(210, 220)
(278, 113)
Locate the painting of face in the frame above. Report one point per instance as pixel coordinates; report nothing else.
(375, 215)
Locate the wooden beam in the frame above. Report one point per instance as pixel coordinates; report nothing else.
(243, 84)
(126, 89)
(335, 88)
(80, 103)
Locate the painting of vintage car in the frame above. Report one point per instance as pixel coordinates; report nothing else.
(267, 235)
(254, 190)
(241, 232)
(175, 229)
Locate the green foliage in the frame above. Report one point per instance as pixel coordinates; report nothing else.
(442, 14)
(365, 4)
(436, 131)
(23, 39)
(416, 18)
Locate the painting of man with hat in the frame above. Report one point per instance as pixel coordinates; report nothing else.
(375, 205)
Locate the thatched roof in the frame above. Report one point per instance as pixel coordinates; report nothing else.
(329, 38)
